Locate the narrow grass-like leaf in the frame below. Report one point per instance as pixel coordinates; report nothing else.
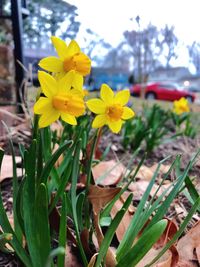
(164, 207)
(15, 185)
(41, 224)
(50, 163)
(79, 207)
(62, 186)
(132, 230)
(55, 252)
(107, 209)
(62, 232)
(6, 227)
(191, 189)
(111, 231)
(143, 245)
(74, 178)
(178, 233)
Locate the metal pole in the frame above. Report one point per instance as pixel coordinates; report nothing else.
(16, 16)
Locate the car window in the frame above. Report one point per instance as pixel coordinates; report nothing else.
(169, 87)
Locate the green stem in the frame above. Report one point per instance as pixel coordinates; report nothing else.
(89, 170)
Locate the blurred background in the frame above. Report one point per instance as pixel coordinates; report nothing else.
(129, 42)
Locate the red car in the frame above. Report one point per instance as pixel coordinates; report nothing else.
(162, 91)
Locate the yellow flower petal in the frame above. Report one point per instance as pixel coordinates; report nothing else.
(122, 97)
(99, 121)
(96, 105)
(127, 113)
(42, 105)
(60, 46)
(52, 64)
(47, 118)
(106, 94)
(48, 84)
(115, 126)
(77, 82)
(68, 119)
(65, 83)
(73, 49)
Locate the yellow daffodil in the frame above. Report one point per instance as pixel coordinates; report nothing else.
(59, 101)
(70, 58)
(110, 109)
(181, 106)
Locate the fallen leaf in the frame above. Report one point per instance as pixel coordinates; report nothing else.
(168, 234)
(189, 245)
(164, 261)
(7, 167)
(60, 159)
(93, 260)
(99, 196)
(122, 227)
(146, 173)
(108, 172)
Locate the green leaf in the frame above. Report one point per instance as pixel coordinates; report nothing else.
(111, 231)
(15, 185)
(133, 228)
(62, 232)
(74, 178)
(41, 224)
(143, 245)
(6, 227)
(178, 233)
(50, 163)
(62, 186)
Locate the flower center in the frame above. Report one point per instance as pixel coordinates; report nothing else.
(79, 62)
(71, 104)
(114, 112)
(69, 64)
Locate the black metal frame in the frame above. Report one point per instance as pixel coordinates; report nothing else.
(18, 12)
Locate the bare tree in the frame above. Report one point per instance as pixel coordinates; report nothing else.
(194, 53)
(169, 43)
(145, 48)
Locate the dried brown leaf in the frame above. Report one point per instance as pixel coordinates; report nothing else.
(112, 170)
(99, 196)
(122, 228)
(189, 245)
(7, 167)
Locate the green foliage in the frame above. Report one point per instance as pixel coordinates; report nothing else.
(149, 128)
(43, 186)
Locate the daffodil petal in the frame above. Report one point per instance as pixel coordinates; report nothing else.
(96, 105)
(52, 64)
(122, 97)
(99, 121)
(77, 82)
(73, 48)
(106, 94)
(42, 105)
(65, 83)
(48, 117)
(127, 113)
(68, 119)
(60, 46)
(48, 84)
(115, 126)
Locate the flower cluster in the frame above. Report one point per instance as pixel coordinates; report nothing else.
(181, 106)
(63, 94)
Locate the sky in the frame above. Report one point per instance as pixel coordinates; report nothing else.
(110, 18)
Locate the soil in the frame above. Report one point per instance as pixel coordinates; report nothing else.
(182, 145)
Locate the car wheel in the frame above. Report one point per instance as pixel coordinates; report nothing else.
(150, 96)
(189, 98)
